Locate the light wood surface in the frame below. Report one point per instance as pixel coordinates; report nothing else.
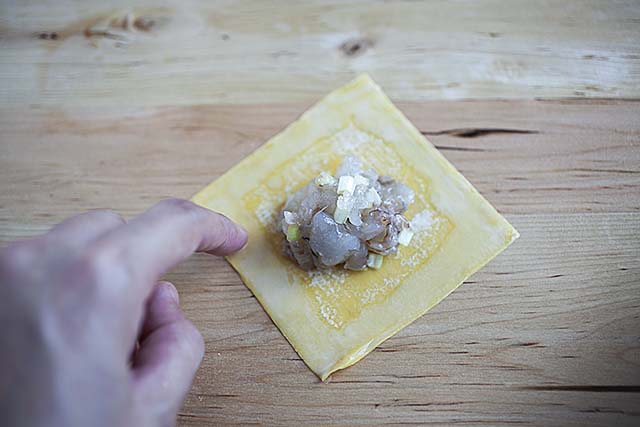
(121, 105)
(546, 334)
(151, 52)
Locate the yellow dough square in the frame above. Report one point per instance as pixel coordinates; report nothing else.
(334, 318)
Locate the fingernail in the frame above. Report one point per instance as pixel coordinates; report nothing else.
(169, 291)
(242, 236)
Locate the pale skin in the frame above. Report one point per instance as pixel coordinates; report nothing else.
(89, 335)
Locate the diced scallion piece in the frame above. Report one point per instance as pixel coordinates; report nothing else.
(346, 184)
(293, 233)
(374, 261)
(325, 179)
(404, 238)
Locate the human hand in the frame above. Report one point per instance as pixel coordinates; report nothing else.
(88, 336)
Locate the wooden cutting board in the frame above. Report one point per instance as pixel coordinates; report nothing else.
(121, 107)
(546, 333)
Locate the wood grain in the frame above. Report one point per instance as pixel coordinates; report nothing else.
(546, 334)
(581, 156)
(145, 52)
(122, 104)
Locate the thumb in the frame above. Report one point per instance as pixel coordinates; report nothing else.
(171, 350)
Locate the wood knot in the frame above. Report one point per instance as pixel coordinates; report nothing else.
(48, 35)
(122, 27)
(143, 23)
(355, 47)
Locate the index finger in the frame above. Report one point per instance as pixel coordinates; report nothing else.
(169, 232)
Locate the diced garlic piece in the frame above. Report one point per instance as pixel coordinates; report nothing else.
(360, 180)
(373, 197)
(340, 215)
(289, 217)
(325, 178)
(345, 201)
(374, 261)
(404, 238)
(354, 217)
(346, 184)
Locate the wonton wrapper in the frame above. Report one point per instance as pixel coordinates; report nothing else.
(335, 318)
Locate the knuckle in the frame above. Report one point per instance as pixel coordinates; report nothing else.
(16, 256)
(179, 205)
(187, 210)
(99, 266)
(193, 212)
(110, 215)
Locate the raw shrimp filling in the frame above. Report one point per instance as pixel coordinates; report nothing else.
(354, 218)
